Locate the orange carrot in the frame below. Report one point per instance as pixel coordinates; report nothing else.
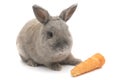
(92, 63)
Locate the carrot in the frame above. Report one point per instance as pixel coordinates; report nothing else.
(92, 63)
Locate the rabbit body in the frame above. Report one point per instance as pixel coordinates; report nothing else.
(46, 40)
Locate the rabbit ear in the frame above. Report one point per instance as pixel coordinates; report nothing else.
(41, 14)
(67, 13)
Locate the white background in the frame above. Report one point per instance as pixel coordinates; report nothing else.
(95, 27)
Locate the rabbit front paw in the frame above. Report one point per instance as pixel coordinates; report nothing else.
(31, 63)
(55, 66)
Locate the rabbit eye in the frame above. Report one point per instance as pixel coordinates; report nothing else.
(49, 34)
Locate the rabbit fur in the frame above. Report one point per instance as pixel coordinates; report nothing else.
(46, 40)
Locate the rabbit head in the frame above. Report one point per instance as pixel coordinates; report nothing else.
(54, 34)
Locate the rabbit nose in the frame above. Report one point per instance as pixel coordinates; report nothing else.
(60, 44)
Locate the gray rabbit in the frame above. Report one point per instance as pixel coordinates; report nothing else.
(46, 40)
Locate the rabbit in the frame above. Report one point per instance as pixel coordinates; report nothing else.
(46, 40)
